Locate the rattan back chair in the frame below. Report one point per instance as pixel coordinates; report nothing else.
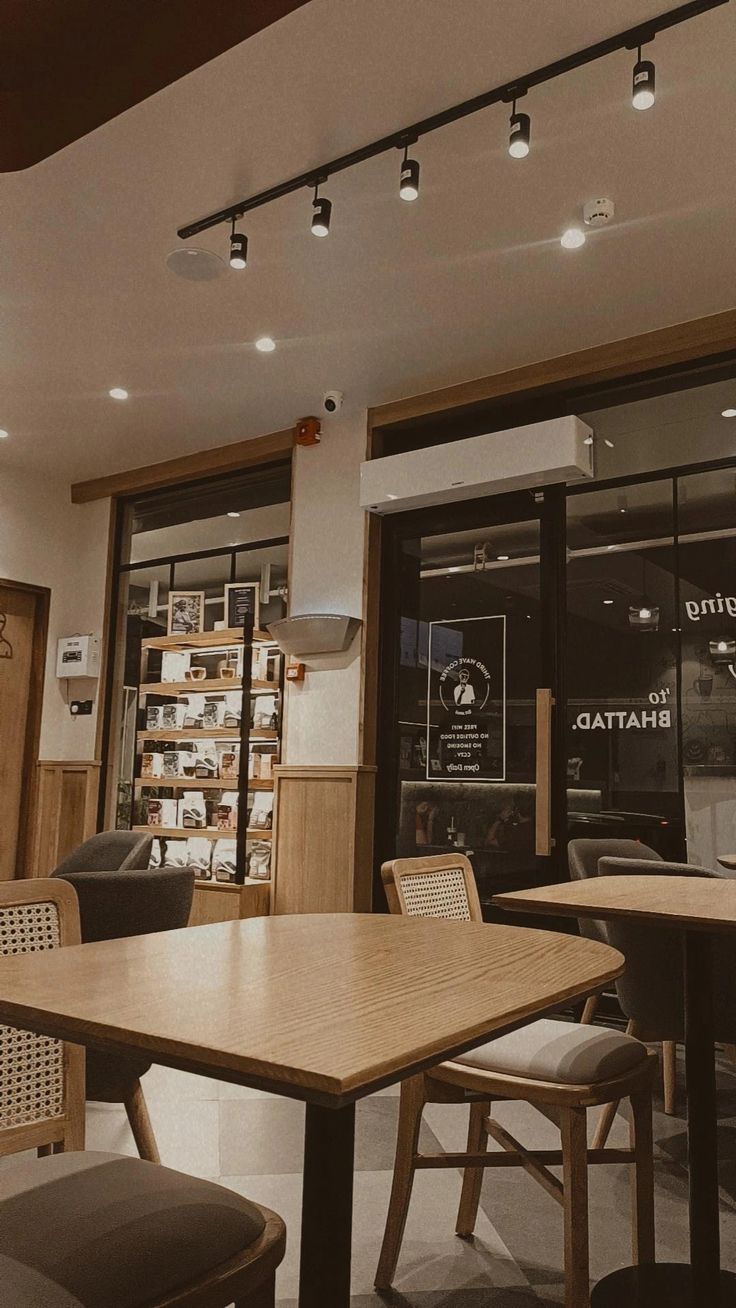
(42, 1080)
(443, 886)
(560, 1068)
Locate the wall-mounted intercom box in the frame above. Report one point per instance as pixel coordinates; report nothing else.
(78, 656)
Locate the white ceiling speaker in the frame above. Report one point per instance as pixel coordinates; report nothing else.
(596, 213)
(194, 264)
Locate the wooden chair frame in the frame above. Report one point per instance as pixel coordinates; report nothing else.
(565, 1105)
(65, 1132)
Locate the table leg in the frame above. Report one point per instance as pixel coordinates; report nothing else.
(700, 1282)
(327, 1207)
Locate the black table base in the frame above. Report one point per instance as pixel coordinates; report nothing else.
(699, 1283)
(327, 1207)
(667, 1285)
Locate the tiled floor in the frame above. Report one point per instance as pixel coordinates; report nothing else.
(253, 1143)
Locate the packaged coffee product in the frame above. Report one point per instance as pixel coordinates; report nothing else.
(192, 811)
(230, 763)
(262, 812)
(233, 708)
(152, 765)
(266, 763)
(223, 860)
(179, 763)
(254, 764)
(214, 713)
(174, 665)
(176, 853)
(259, 864)
(153, 717)
(156, 854)
(162, 812)
(227, 811)
(172, 715)
(265, 711)
(205, 761)
(194, 710)
(199, 856)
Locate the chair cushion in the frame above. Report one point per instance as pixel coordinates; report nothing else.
(563, 1052)
(114, 1232)
(24, 1288)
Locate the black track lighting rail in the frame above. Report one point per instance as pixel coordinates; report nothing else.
(631, 39)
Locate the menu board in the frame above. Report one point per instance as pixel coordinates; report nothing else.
(466, 699)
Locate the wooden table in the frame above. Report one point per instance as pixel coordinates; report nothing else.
(700, 906)
(322, 1008)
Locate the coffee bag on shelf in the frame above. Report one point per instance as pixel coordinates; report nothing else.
(223, 860)
(199, 856)
(192, 811)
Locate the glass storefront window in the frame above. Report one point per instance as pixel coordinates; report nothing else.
(622, 654)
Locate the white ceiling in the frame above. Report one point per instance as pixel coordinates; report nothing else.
(401, 298)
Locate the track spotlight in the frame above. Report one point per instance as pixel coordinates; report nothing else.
(238, 248)
(409, 181)
(322, 214)
(519, 133)
(642, 92)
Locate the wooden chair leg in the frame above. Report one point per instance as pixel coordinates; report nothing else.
(642, 1176)
(669, 1073)
(140, 1124)
(407, 1141)
(590, 1010)
(575, 1204)
(608, 1116)
(473, 1176)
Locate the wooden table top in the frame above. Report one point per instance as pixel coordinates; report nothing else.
(320, 1007)
(698, 903)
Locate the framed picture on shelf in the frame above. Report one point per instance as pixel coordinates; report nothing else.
(186, 612)
(242, 597)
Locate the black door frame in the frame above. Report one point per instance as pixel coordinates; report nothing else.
(548, 506)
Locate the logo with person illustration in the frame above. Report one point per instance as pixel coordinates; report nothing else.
(465, 683)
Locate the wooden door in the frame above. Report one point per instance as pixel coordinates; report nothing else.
(23, 612)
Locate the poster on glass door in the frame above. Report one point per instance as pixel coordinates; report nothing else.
(466, 699)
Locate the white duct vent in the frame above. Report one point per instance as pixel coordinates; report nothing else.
(540, 454)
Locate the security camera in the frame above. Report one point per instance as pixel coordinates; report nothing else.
(332, 401)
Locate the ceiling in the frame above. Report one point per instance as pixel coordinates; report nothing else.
(401, 298)
(67, 68)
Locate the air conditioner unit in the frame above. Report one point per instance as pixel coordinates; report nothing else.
(540, 454)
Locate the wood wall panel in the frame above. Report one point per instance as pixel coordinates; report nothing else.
(323, 839)
(65, 811)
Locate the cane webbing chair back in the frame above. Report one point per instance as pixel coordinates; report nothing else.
(41, 1080)
(440, 885)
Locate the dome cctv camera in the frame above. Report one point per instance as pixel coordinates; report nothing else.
(332, 401)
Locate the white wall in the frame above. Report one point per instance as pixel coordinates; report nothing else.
(328, 530)
(47, 541)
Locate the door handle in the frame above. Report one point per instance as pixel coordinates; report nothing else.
(544, 840)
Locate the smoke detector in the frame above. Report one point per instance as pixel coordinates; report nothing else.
(597, 213)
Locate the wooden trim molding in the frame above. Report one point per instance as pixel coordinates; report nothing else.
(684, 342)
(322, 839)
(189, 467)
(65, 811)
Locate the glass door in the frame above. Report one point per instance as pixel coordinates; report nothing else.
(471, 758)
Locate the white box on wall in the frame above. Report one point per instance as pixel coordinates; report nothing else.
(78, 656)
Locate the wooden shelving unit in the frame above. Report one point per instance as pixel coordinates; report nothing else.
(206, 640)
(209, 833)
(202, 644)
(264, 736)
(199, 783)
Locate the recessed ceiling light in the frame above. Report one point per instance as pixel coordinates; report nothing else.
(573, 238)
(608, 601)
(588, 440)
(266, 344)
(502, 558)
(233, 514)
(3, 434)
(728, 413)
(118, 393)
(610, 444)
